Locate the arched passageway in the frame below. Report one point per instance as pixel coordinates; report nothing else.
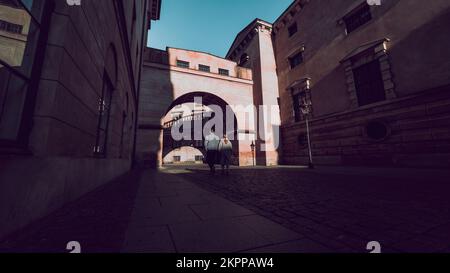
(184, 155)
(165, 85)
(194, 126)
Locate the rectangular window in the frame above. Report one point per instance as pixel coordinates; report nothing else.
(296, 100)
(10, 27)
(176, 158)
(204, 68)
(296, 60)
(292, 29)
(369, 83)
(182, 64)
(224, 72)
(17, 64)
(358, 18)
(198, 158)
(104, 111)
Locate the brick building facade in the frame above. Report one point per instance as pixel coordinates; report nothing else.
(377, 76)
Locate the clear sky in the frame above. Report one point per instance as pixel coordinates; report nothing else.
(209, 25)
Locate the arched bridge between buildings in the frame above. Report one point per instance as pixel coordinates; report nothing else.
(165, 85)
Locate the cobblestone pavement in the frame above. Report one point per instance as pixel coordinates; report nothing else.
(345, 208)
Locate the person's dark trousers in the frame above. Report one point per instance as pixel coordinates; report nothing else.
(211, 160)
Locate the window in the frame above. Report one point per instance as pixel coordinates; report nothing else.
(198, 158)
(176, 158)
(104, 111)
(295, 60)
(204, 68)
(297, 100)
(10, 27)
(20, 65)
(301, 93)
(369, 83)
(358, 18)
(224, 72)
(292, 29)
(182, 64)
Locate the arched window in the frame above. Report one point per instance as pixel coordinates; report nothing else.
(105, 102)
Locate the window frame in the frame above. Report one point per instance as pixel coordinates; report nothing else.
(224, 72)
(6, 26)
(101, 143)
(292, 29)
(293, 65)
(204, 68)
(296, 106)
(183, 64)
(355, 20)
(368, 79)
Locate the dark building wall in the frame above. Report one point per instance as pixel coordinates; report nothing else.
(414, 67)
(87, 47)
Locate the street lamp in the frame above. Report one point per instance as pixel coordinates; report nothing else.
(306, 107)
(252, 146)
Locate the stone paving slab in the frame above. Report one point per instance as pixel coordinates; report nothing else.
(187, 218)
(148, 239)
(298, 246)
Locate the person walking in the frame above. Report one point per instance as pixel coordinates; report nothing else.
(226, 152)
(212, 150)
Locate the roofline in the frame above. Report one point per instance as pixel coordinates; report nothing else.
(243, 30)
(198, 51)
(285, 11)
(156, 16)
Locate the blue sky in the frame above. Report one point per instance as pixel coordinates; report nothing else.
(209, 25)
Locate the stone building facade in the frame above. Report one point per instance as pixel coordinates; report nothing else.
(69, 84)
(378, 78)
(253, 48)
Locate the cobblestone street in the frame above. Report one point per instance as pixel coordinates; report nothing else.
(262, 209)
(342, 208)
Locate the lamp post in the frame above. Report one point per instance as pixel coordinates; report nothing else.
(252, 146)
(306, 110)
